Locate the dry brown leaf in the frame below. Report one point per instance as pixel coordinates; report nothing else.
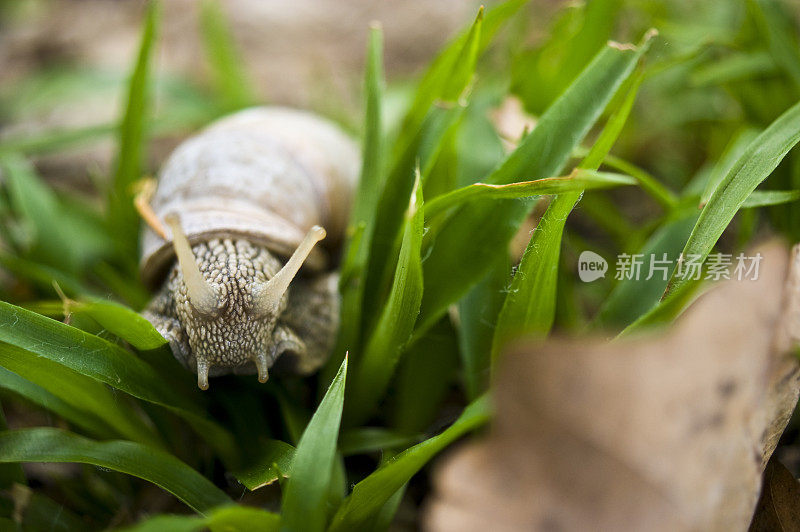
(779, 505)
(660, 433)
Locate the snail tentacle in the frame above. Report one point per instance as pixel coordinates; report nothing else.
(269, 294)
(201, 294)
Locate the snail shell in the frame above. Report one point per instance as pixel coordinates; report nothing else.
(267, 175)
(247, 190)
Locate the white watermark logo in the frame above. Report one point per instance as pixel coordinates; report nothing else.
(639, 266)
(591, 266)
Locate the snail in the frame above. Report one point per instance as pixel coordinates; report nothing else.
(245, 202)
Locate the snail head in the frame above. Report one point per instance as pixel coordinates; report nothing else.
(228, 301)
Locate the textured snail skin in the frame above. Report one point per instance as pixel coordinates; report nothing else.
(301, 333)
(246, 191)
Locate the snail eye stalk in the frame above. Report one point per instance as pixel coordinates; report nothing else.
(268, 295)
(202, 295)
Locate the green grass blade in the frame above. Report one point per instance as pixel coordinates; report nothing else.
(732, 152)
(231, 82)
(449, 73)
(530, 305)
(754, 165)
(477, 313)
(131, 140)
(225, 519)
(12, 382)
(273, 463)
(37, 206)
(425, 378)
(162, 469)
(420, 154)
(539, 76)
(771, 20)
(105, 362)
(304, 502)
(734, 67)
(468, 244)
(362, 506)
(763, 198)
(121, 321)
(64, 235)
(632, 298)
(580, 179)
(365, 203)
(374, 370)
(88, 397)
(364, 440)
(244, 518)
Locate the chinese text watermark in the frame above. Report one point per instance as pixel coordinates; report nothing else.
(641, 266)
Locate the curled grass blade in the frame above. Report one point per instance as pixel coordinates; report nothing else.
(364, 504)
(162, 469)
(305, 499)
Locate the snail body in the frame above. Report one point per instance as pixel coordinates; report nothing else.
(246, 200)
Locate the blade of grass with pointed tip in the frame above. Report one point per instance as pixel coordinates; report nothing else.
(466, 246)
(580, 179)
(754, 165)
(304, 501)
(364, 504)
(162, 469)
(425, 128)
(365, 203)
(447, 74)
(374, 370)
(122, 215)
(530, 305)
(105, 362)
(231, 82)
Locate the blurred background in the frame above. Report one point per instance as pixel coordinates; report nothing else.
(718, 73)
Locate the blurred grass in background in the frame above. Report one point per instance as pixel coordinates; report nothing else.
(659, 147)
